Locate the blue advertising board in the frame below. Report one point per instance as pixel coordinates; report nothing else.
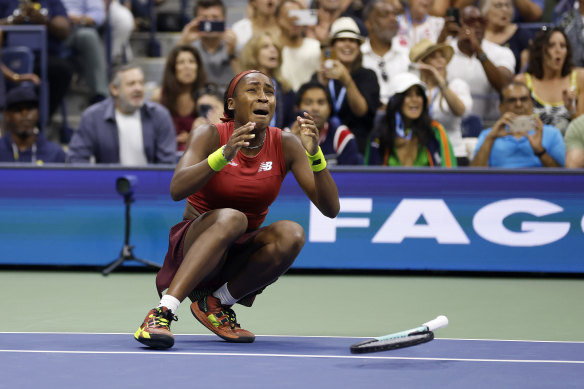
(390, 219)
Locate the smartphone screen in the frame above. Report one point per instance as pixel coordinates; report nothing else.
(328, 52)
(212, 25)
(522, 123)
(453, 12)
(304, 17)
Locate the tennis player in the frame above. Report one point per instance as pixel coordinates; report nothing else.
(230, 173)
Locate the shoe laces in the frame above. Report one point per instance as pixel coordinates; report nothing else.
(231, 316)
(162, 318)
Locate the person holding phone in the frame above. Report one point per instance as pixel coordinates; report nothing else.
(216, 43)
(261, 17)
(354, 89)
(519, 138)
(300, 54)
(182, 78)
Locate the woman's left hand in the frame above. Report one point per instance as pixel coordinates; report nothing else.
(305, 129)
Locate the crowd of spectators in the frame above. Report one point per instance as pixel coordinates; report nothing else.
(441, 83)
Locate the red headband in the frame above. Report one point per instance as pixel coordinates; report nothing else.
(231, 89)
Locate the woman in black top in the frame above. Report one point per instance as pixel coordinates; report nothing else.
(354, 89)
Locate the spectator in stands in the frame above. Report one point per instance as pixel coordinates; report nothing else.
(23, 142)
(525, 11)
(416, 24)
(556, 87)
(53, 15)
(330, 10)
(209, 105)
(300, 55)
(379, 54)
(407, 135)
(336, 140)
(353, 88)
(573, 24)
(528, 11)
(512, 145)
(262, 52)
(121, 22)
(261, 18)
(448, 101)
(125, 129)
(87, 53)
(12, 76)
(184, 75)
(501, 30)
(574, 140)
(217, 48)
(485, 66)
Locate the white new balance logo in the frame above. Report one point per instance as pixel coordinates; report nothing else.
(265, 166)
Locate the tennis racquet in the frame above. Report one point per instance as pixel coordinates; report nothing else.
(411, 337)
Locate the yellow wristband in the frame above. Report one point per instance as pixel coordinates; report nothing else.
(216, 159)
(317, 161)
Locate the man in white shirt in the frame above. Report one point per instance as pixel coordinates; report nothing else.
(300, 55)
(378, 52)
(485, 66)
(124, 129)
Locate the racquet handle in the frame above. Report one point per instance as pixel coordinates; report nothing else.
(439, 322)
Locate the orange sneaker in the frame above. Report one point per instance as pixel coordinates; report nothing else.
(220, 320)
(155, 330)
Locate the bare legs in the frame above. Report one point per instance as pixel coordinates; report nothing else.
(269, 255)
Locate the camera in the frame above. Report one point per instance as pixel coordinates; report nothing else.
(125, 185)
(204, 110)
(212, 25)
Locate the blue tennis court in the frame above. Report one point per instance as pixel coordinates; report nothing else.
(82, 360)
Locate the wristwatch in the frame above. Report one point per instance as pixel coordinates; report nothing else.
(482, 57)
(539, 154)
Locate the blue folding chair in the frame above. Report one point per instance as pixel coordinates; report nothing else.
(19, 59)
(471, 126)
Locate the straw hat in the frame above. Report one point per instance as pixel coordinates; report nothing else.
(345, 27)
(425, 47)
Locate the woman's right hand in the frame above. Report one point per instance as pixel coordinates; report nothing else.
(334, 69)
(499, 129)
(239, 139)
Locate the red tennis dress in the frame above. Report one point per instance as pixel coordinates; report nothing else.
(248, 184)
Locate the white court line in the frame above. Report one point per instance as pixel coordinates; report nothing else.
(293, 336)
(289, 356)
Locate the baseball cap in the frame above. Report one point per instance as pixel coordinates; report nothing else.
(19, 96)
(402, 82)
